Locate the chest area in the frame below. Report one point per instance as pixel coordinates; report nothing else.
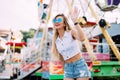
(64, 44)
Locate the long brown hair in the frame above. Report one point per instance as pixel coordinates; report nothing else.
(67, 28)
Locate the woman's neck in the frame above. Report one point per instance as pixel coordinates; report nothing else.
(61, 33)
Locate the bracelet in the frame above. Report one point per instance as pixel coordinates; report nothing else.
(76, 23)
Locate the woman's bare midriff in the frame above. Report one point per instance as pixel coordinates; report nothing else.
(74, 58)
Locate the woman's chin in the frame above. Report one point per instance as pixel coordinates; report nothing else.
(57, 27)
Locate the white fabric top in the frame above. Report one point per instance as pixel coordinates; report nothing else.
(67, 46)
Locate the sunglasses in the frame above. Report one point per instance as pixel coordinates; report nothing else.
(57, 20)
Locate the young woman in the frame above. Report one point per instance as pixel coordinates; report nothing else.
(65, 46)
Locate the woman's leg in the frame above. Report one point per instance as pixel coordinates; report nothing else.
(68, 79)
(83, 78)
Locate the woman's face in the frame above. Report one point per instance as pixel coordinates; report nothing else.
(59, 23)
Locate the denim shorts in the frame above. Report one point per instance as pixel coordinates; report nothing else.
(77, 69)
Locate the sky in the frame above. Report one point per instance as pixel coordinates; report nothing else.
(18, 14)
(23, 14)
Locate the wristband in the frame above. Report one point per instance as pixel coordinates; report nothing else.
(76, 23)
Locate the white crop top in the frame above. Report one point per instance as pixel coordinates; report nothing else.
(67, 46)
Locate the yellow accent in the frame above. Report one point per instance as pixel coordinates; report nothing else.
(18, 47)
(108, 25)
(96, 62)
(110, 41)
(81, 20)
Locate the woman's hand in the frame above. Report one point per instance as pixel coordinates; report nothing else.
(74, 14)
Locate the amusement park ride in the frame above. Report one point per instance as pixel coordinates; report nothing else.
(36, 54)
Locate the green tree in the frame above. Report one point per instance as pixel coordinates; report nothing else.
(28, 34)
